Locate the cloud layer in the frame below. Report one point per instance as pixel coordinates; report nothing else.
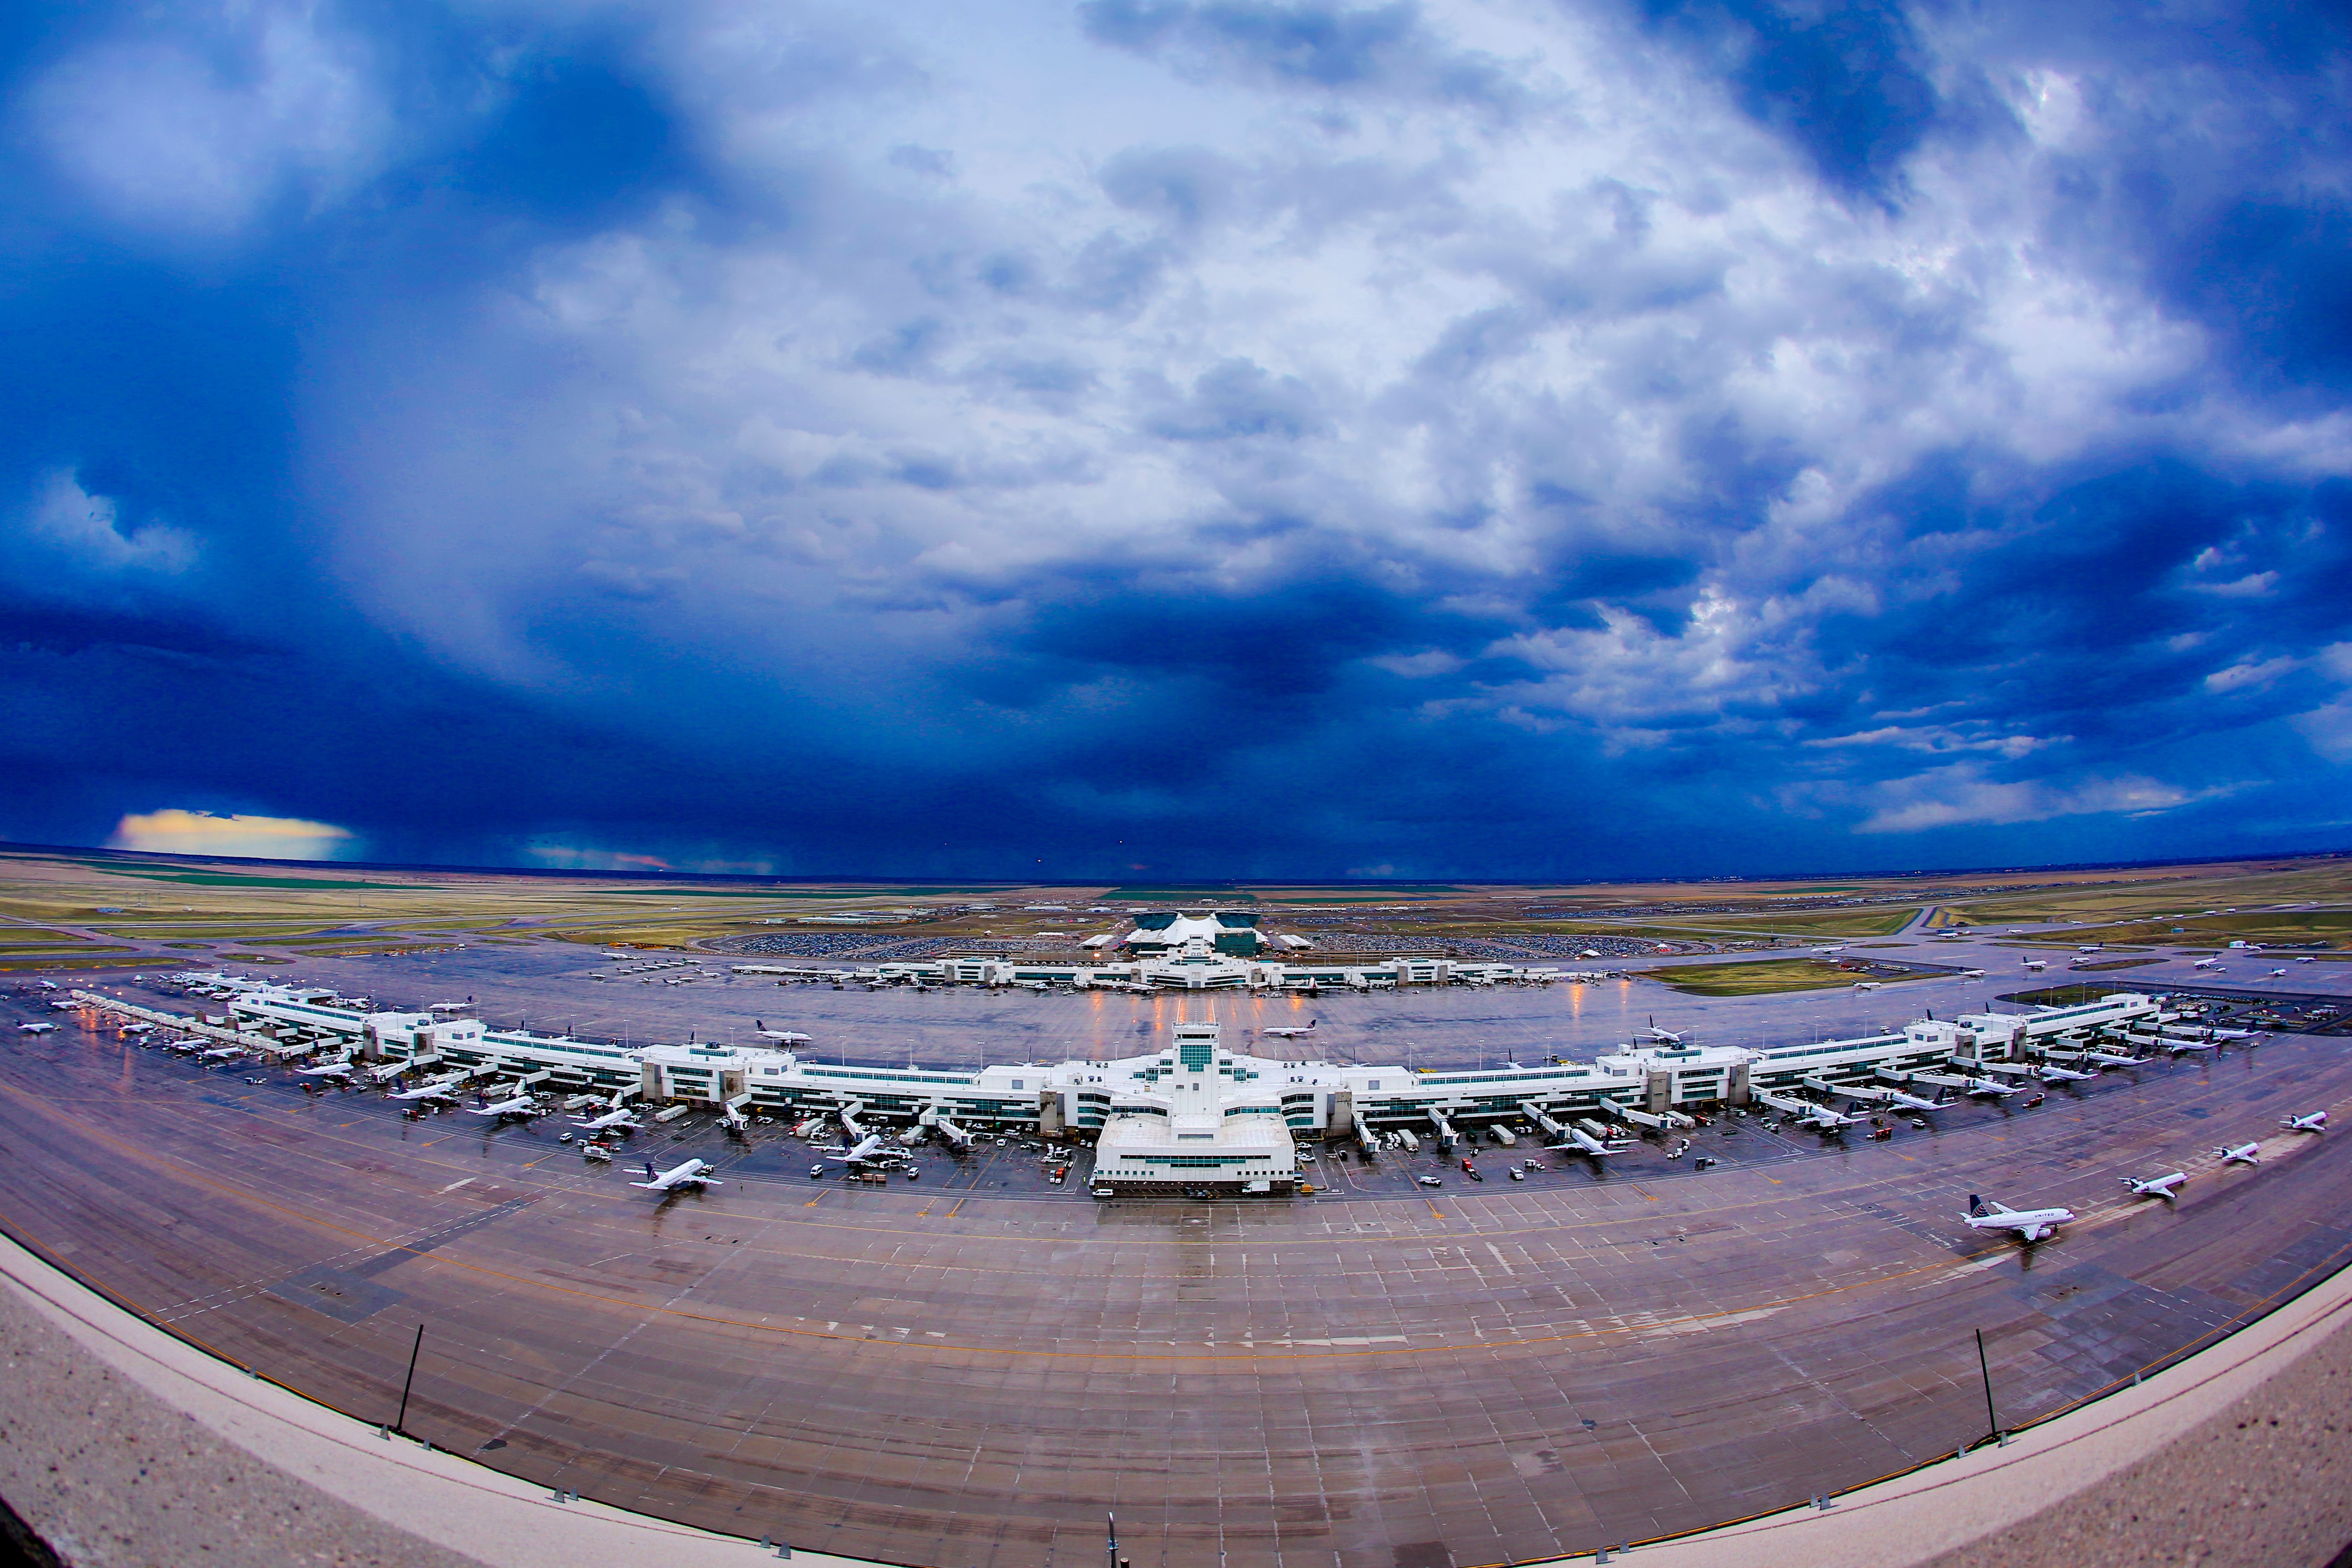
(1238, 439)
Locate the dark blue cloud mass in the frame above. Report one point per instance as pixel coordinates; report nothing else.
(1206, 438)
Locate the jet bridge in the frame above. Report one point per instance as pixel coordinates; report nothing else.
(1655, 1120)
(1787, 1104)
(957, 1138)
(850, 1125)
(1447, 1136)
(732, 1113)
(1857, 1091)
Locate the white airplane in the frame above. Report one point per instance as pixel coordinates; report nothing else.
(2110, 1060)
(2207, 964)
(2275, 973)
(331, 1069)
(2052, 1072)
(222, 1053)
(1662, 1036)
(1827, 1120)
(693, 1173)
(1585, 1142)
(2314, 1123)
(1991, 1088)
(36, 1028)
(2036, 965)
(1914, 1102)
(785, 1037)
(2155, 1186)
(1029, 985)
(1972, 974)
(1291, 1034)
(522, 1106)
(2244, 1154)
(443, 1006)
(624, 1119)
(2030, 1224)
(864, 1152)
(438, 1089)
(2307, 960)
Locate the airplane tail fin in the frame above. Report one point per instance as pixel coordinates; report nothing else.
(649, 1171)
(1975, 1205)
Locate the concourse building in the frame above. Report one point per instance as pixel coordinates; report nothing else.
(1196, 1115)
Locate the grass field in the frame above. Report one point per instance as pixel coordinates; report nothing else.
(1760, 978)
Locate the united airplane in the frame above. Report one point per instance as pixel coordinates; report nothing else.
(2030, 1224)
(865, 1151)
(2051, 1072)
(623, 1120)
(2155, 1186)
(2314, 1123)
(694, 1174)
(521, 1107)
(1584, 1143)
(2244, 1154)
(1291, 1034)
(36, 1028)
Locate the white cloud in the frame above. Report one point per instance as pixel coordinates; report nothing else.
(1961, 794)
(174, 831)
(87, 527)
(166, 133)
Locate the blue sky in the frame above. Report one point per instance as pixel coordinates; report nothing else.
(1253, 439)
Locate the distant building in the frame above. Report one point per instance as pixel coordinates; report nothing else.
(1171, 934)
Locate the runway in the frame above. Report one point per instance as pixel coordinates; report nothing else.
(966, 1375)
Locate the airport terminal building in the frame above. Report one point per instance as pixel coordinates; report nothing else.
(1197, 1115)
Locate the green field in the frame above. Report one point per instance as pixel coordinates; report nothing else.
(1763, 977)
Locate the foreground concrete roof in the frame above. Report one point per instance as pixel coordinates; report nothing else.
(124, 1444)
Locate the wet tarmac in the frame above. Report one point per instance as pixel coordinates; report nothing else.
(971, 1367)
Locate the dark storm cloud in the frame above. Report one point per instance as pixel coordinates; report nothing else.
(1227, 438)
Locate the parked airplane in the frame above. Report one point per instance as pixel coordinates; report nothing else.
(693, 1173)
(2030, 1224)
(331, 1069)
(2244, 1154)
(865, 1151)
(2155, 1186)
(222, 1053)
(1914, 1102)
(2314, 1123)
(36, 1028)
(438, 1089)
(1826, 1120)
(1991, 1088)
(522, 1107)
(626, 1120)
(1662, 1036)
(1584, 1143)
(1291, 1034)
(2052, 1072)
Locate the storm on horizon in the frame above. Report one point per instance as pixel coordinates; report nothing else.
(1176, 438)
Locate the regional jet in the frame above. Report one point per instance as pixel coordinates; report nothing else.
(693, 1173)
(1584, 1143)
(2155, 1186)
(1291, 1034)
(522, 1106)
(623, 1120)
(2244, 1154)
(2314, 1123)
(2030, 1224)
